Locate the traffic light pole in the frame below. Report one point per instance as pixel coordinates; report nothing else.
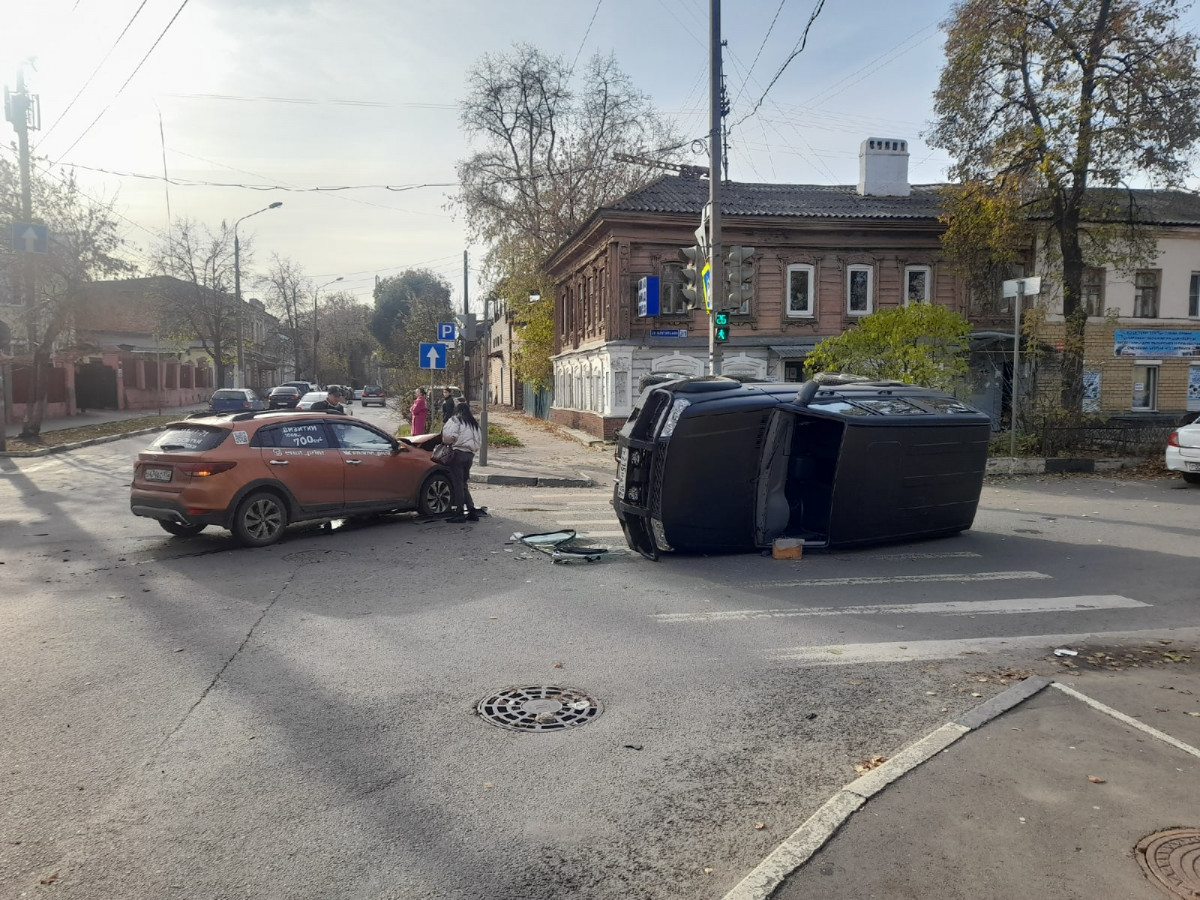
(716, 272)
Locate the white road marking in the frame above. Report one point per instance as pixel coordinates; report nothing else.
(901, 579)
(952, 608)
(955, 554)
(600, 534)
(1128, 720)
(911, 651)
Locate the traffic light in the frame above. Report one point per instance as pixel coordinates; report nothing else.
(739, 275)
(693, 288)
(721, 326)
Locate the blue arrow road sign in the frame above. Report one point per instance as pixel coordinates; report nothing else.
(27, 238)
(433, 356)
(448, 331)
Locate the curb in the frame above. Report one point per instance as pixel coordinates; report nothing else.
(1006, 465)
(530, 480)
(811, 836)
(77, 445)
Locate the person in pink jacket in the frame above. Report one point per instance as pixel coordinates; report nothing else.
(418, 413)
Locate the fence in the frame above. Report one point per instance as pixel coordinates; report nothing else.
(1115, 437)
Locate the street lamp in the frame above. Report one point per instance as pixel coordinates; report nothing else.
(237, 284)
(316, 294)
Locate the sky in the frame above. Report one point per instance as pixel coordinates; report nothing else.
(258, 101)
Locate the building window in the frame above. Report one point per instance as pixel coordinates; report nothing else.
(800, 292)
(1145, 387)
(1091, 294)
(671, 301)
(1194, 295)
(918, 281)
(1145, 294)
(859, 290)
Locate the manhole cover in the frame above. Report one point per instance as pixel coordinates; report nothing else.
(544, 708)
(314, 556)
(1171, 860)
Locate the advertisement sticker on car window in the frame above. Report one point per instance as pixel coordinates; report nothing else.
(241, 437)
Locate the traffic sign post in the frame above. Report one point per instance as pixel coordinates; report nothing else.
(1017, 288)
(433, 356)
(30, 238)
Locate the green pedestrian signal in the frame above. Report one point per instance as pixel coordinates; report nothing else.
(721, 326)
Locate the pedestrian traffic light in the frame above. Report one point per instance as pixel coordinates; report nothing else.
(721, 326)
(739, 275)
(693, 288)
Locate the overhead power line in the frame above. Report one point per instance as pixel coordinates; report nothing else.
(95, 71)
(800, 45)
(136, 69)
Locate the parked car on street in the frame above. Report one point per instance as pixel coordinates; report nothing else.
(254, 473)
(310, 398)
(710, 465)
(302, 386)
(283, 397)
(358, 393)
(1183, 452)
(374, 394)
(235, 400)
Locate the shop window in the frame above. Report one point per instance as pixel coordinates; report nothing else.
(800, 281)
(1194, 295)
(671, 301)
(918, 281)
(1145, 387)
(859, 290)
(1092, 291)
(1145, 294)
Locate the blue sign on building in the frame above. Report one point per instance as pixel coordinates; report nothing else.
(433, 356)
(648, 296)
(668, 332)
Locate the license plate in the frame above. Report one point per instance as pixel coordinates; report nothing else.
(622, 468)
(1193, 466)
(156, 474)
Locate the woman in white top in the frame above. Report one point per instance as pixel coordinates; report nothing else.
(463, 434)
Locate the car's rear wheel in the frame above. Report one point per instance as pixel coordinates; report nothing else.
(260, 519)
(436, 495)
(179, 529)
(1191, 477)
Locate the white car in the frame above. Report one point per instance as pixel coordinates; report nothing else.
(1183, 452)
(310, 398)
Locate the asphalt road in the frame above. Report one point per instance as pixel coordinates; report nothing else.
(183, 718)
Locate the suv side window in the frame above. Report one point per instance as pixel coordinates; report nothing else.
(355, 437)
(294, 435)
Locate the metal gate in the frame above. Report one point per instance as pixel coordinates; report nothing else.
(95, 386)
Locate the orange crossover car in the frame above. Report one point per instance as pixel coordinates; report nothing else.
(256, 472)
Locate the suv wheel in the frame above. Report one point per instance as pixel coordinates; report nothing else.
(260, 519)
(179, 529)
(436, 495)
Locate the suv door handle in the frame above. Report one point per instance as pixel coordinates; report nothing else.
(279, 462)
(354, 462)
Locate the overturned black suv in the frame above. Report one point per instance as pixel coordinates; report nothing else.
(710, 465)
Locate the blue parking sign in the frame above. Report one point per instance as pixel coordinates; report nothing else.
(433, 356)
(447, 331)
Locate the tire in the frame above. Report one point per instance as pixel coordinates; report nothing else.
(178, 529)
(436, 495)
(260, 519)
(1191, 477)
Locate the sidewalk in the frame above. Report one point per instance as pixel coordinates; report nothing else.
(101, 416)
(1052, 789)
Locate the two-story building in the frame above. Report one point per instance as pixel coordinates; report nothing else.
(824, 256)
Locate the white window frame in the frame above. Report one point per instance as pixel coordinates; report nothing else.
(811, 272)
(928, 270)
(870, 270)
(1194, 295)
(1151, 385)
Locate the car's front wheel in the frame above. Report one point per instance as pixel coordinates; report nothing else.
(178, 529)
(436, 495)
(260, 519)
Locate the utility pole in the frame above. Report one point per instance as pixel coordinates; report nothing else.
(466, 385)
(18, 106)
(716, 273)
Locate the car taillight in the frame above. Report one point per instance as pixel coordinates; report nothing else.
(203, 470)
(1173, 440)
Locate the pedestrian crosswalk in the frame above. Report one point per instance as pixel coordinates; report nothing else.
(588, 511)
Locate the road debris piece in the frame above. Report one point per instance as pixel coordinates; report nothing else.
(1094, 780)
(867, 765)
(560, 546)
(1062, 651)
(787, 548)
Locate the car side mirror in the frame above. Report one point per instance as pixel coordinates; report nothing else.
(398, 447)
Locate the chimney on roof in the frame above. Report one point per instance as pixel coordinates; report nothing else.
(883, 168)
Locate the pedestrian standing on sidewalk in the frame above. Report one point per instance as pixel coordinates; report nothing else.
(462, 433)
(447, 405)
(418, 413)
